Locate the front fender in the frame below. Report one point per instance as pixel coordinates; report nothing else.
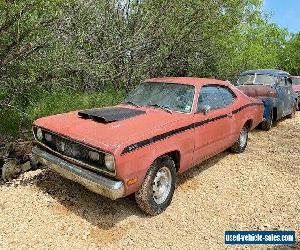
(135, 164)
(269, 104)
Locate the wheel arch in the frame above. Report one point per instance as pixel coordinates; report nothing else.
(275, 114)
(269, 105)
(175, 155)
(249, 123)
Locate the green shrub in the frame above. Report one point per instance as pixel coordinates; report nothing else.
(13, 120)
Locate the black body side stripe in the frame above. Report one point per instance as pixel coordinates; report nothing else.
(246, 106)
(165, 135)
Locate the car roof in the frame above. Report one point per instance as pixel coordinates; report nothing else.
(187, 80)
(272, 72)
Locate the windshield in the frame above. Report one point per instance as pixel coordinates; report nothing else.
(256, 80)
(296, 80)
(168, 96)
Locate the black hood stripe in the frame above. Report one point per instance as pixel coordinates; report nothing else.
(107, 115)
(165, 135)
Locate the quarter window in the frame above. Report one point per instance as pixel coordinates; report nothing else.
(215, 96)
(228, 95)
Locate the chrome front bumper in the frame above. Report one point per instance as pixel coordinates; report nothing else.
(94, 182)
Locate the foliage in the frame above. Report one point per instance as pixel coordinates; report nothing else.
(53, 50)
(47, 103)
(291, 55)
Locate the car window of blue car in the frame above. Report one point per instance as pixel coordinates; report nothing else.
(288, 81)
(264, 79)
(256, 79)
(281, 81)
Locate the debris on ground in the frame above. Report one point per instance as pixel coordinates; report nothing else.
(14, 158)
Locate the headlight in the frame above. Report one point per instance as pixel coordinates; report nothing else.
(109, 161)
(39, 134)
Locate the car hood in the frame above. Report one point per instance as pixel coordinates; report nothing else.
(113, 135)
(257, 90)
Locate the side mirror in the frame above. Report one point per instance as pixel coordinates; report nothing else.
(206, 109)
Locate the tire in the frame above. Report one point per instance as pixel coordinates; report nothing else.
(293, 114)
(150, 198)
(268, 124)
(240, 145)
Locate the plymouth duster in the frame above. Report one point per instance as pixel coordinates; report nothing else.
(163, 127)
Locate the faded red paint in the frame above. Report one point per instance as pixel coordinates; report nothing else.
(259, 90)
(296, 88)
(194, 145)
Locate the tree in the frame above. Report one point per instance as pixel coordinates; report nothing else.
(291, 56)
(29, 51)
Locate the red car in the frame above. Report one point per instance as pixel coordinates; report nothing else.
(296, 87)
(164, 127)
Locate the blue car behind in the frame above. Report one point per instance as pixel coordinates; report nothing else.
(274, 88)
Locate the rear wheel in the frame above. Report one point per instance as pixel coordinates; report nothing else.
(293, 114)
(240, 145)
(157, 190)
(268, 123)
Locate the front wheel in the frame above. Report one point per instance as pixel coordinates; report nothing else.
(157, 190)
(240, 145)
(268, 123)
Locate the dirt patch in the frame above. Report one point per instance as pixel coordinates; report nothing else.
(97, 235)
(256, 190)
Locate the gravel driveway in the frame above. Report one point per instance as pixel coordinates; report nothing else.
(256, 190)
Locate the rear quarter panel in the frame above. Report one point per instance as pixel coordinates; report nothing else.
(251, 110)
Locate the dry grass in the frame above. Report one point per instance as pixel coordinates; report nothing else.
(256, 190)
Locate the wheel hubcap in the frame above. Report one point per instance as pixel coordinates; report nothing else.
(243, 137)
(162, 185)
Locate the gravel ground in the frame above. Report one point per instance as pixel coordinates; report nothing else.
(256, 190)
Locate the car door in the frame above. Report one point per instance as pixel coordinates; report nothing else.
(291, 95)
(283, 98)
(213, 121)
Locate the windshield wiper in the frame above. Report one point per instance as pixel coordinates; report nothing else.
(161, 107)
(132, 103)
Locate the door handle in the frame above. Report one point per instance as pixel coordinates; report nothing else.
(229, 115)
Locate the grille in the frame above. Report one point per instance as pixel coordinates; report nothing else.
(72, 149)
